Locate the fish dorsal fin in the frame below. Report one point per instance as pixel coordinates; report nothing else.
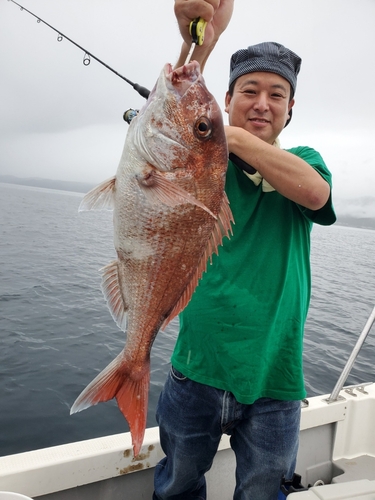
(99, 198)
(158, 189)
(221, 229)
(112, 293)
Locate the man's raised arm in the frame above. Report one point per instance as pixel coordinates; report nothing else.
(217, 13)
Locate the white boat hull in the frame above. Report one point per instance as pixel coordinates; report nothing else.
(337, 445)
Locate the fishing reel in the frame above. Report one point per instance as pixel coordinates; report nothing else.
(130, 114)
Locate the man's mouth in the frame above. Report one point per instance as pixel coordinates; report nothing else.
(259, 120)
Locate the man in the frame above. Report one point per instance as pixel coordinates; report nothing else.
(237, 364)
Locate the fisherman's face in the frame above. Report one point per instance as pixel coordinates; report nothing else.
(260, 104)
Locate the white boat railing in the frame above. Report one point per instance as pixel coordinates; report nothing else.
(349, 365)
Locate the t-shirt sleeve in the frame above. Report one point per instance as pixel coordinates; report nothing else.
(325, 215)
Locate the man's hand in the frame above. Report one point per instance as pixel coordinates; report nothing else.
(217, 13)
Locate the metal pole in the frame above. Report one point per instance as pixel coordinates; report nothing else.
(349, 365)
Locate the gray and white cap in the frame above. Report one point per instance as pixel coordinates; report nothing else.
(271, 57)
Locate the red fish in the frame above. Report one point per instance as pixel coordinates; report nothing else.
(170, 214)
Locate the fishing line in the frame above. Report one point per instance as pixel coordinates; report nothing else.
(87, 55)
(130, 113)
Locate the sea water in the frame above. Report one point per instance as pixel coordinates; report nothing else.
(56, 332)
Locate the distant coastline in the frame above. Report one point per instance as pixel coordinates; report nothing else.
(84, 187)
(77, 187)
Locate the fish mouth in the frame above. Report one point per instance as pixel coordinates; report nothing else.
(180, 79)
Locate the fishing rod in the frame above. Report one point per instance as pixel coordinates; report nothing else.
(130, 113)
(87, 57)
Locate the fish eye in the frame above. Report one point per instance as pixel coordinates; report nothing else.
(203, 128)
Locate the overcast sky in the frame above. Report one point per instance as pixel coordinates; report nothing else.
(63, 120)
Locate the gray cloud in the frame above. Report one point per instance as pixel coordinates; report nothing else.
(62, 119)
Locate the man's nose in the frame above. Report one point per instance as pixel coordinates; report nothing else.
(261, 103)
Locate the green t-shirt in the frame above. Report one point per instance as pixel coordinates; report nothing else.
(243, 328)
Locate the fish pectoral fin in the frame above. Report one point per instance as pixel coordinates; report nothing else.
(99, 198)
(130, 390)
(113, 294)
(221, 229)
(158, 189)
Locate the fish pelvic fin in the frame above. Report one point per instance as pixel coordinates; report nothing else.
(113, 295)
(130, 390)
(222, 228)
(99, 198)
(158, 189)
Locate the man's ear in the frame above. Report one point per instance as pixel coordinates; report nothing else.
(290, 110)
(291, 104)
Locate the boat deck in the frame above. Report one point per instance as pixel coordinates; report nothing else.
(360, 467)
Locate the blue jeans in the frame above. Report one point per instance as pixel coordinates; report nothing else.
(192, 418)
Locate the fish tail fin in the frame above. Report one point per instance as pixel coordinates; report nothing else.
(103, 388)
(130, 391)
(132, 399)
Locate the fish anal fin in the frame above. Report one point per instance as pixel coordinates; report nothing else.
(130, 390)
(113, 293)
(99, 198)
(158, 189)
(222, 228)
